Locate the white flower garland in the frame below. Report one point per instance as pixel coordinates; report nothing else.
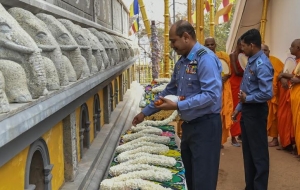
(158, 160)
(159, 88)
(146, 158)
(125, 168)
(162, 80)
(134, 145)
(147, 174)
(130, 137)
(131, 184)
(140, 128)
(155, 131)
(152, 138)
(147, 149)
(159, 123)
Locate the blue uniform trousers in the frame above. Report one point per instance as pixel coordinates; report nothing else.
(255, 145)
(200, 151)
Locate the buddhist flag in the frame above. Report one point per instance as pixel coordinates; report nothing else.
(223, 12)
(206, 7)
(134, 12)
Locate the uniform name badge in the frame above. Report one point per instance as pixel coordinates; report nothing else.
(192, 67)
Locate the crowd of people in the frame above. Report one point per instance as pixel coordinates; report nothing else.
(247, 103)
(283, 116)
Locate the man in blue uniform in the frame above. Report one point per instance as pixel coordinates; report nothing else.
(197, 77)
(255, 91)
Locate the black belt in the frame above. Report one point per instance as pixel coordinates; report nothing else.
(206, 116)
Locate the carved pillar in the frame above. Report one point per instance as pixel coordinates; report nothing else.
(81, 136)
(87, 134)
(117, 96)
(121, 90)
(111, 100)
(48, 176)
(97, 120)
(70, 147)
(107, 104)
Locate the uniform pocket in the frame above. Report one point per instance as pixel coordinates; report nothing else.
(191, 82)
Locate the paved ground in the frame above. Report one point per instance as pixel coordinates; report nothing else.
(284, 170)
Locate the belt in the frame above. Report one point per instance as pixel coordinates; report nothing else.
(206, 116)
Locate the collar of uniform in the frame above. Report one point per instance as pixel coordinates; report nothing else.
(255, 56)
(193, 52)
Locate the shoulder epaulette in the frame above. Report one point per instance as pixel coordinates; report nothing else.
(259, 62)
(201, 52)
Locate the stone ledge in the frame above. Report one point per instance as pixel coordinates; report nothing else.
(92, 169)
(22, 119)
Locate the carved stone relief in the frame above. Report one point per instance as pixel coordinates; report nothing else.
(67, 43)
(41, 53)
(83, 42)
(114, 48)
(97, 49)
(4, 105)
(106, 53)
(42, 36)
(18, 46)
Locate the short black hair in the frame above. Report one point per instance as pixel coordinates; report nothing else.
(252, 36)
(183, 26)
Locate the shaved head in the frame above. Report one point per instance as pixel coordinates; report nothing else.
(210, 43)
(297, 42)
(295, 48)
(265, 49)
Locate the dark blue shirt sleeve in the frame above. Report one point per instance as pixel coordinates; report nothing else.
(171, 89)
(209, 69)
(265, 85)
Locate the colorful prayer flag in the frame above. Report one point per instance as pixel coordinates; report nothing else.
(223, 12)
(134, 12)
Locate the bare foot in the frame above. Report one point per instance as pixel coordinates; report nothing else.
(288, 148)
(234, 142)
(239, 138)
(274, 142)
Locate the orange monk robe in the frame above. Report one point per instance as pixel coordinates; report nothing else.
(235, 82)
(295, 105)
(273, 103)
(227, 103)
(284, 117)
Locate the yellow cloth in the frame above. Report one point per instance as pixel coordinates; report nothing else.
(227, 103)
(273, 103)
(295, 104)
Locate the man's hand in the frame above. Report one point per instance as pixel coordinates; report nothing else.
(234, 115)
(242, 96)
(138, 119)
(295, 80)
(225, 78)
(284, 83)
(167, 104)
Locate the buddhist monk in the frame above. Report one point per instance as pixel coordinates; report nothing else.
(235, 81)
(227, 103)
(295, 93)
(284, 113)
(273, 103)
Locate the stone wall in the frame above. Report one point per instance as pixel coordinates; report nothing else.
(54, 52)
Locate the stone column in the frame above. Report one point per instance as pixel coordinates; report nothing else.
(70, 147)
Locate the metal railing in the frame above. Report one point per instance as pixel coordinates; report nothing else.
(143, 72)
